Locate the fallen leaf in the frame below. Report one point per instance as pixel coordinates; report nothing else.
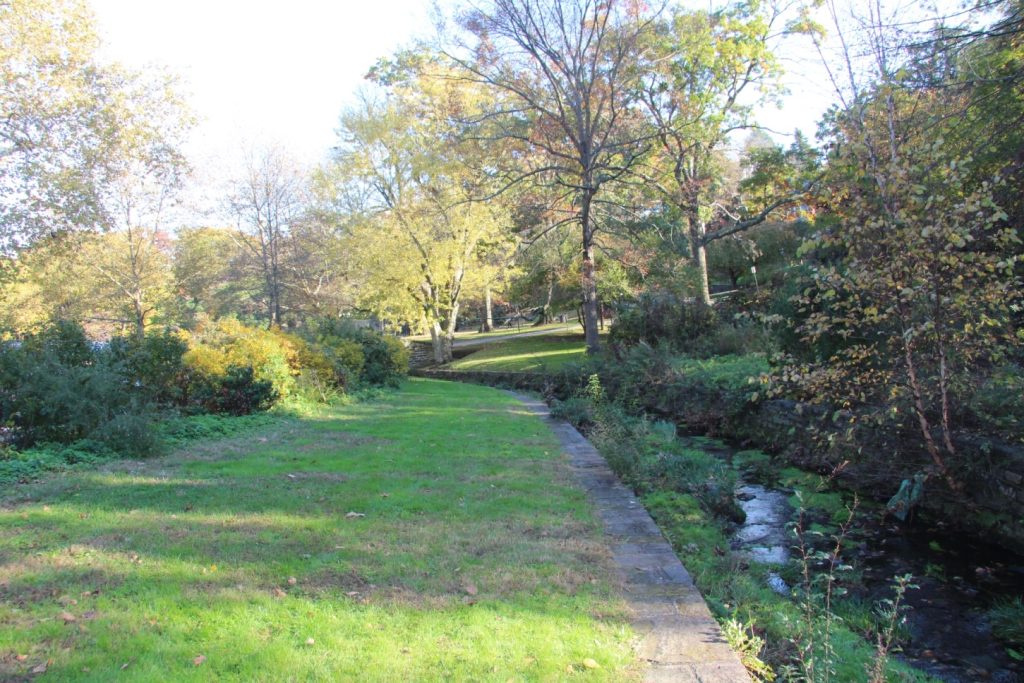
(591, 664)
(470, 589)
(20, 658)
(68, 617)
(124, 666)
(278, 593)
(385, 495)
(310, 641)
(39, 668)
(198, 661)
(352, 594)
(354, 515)
(292, 581)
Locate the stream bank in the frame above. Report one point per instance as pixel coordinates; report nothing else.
(959, 578)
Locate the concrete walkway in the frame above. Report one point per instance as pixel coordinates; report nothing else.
(680, 638)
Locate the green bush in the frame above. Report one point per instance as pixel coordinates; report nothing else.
(662, 319)
(999, 402)
(237, 392)
(153, 364)
(56, 387)
(574, 410)
(383, 360)
(273, 356)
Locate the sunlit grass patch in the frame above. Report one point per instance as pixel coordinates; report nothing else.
(529, 354)
(432, 535)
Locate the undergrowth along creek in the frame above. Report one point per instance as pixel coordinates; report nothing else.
(796, 626)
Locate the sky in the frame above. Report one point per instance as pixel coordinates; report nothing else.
(258, 72)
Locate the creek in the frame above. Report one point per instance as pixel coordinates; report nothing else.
(948, 632)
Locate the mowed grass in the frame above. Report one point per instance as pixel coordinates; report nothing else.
(503, 330)
(529, 354)
(477, 559)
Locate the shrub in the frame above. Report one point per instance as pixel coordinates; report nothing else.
(382, 361)
(214, 349)
(574, 410)
(662, 319)
(237, 392)
(55, 387)
(387, 360)
(999, 401)
(153, 364)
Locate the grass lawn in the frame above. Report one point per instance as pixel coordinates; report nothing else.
(529, 354)
(524, 328)
(432, 534)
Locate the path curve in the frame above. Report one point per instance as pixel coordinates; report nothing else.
(680, 639)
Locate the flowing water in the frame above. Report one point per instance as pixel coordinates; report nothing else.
(958, 577)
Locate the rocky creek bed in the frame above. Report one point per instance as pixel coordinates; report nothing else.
(948, 631)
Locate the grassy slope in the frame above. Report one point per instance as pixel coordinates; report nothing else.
(524, 328)
(476, 558)
(529, 354)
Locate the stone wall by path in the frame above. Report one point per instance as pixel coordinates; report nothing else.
(681, 641)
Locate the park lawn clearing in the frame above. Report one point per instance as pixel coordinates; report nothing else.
(506, 330)
(431, 534)
(529, 354)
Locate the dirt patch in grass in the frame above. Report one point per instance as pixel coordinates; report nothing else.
(333, 580)
(79, 585)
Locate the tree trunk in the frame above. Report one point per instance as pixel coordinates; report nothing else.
(488, 311)
(437, 343)
(589, 279)
(545, 312)
(140, 319)
(448, 338)
(700, 257)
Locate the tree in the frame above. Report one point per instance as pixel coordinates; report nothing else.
(565, 72)
(701, 68)
(917, 281)
(422, 238)
(212, 273)
(268, 200)
(66, 121)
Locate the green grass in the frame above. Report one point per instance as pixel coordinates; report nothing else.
(572, 327)
(529, 354)
(234, 559)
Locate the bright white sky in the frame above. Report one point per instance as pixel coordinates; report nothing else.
(261, 72)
